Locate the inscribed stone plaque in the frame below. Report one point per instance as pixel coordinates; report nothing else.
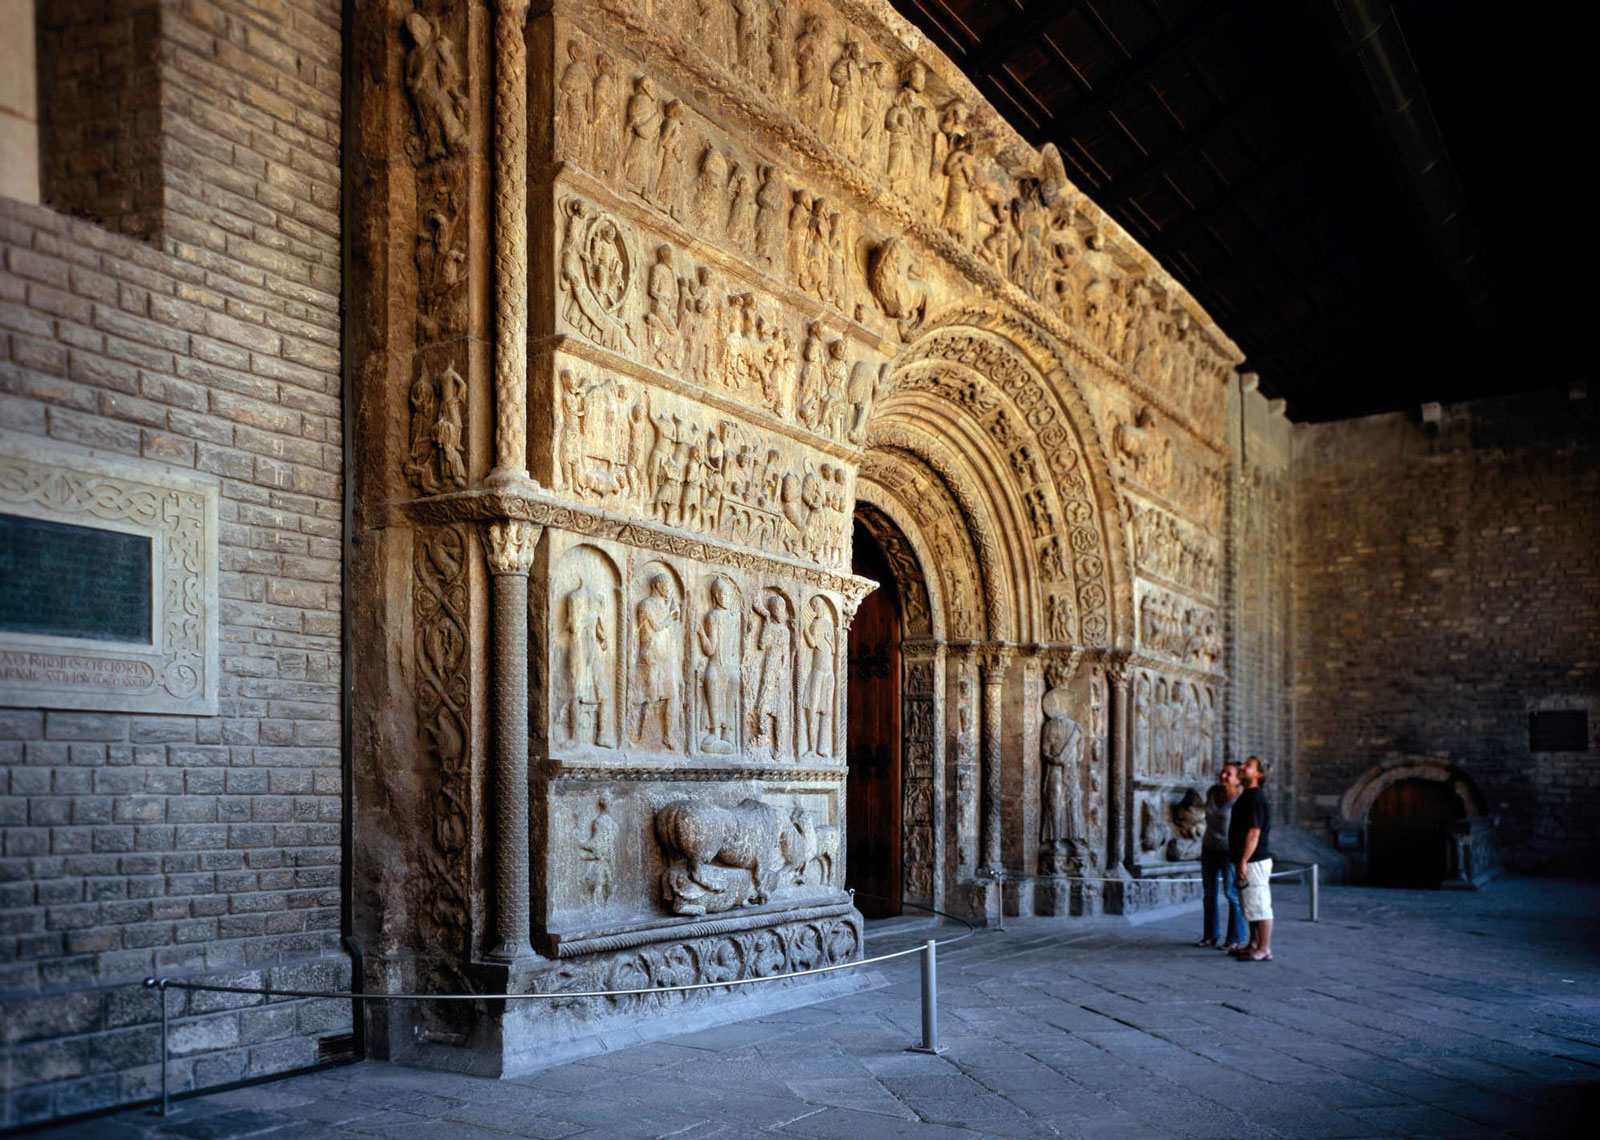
(108, 583)
(61, 580)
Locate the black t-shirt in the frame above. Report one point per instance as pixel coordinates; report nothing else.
(1249, 810)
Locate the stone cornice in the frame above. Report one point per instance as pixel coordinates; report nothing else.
(526, 501)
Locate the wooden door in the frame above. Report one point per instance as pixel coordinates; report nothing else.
(1408, 834)
(872, 741)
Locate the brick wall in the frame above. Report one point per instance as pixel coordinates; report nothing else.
(192, 846)
(1261, 529)
(99, 111)
(1446, 583)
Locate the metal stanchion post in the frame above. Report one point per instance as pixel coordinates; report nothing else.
(1316, 876)
(930, 1000)
(160, 986)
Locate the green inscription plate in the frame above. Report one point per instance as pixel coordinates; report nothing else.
(60, 580)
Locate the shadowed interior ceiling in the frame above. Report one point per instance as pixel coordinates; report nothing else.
(1316, 172)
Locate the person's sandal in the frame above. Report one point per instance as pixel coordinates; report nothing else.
(1206, 942)
(1229, 947)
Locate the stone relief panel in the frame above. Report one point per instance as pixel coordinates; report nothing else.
(720, 858)
(1175, 627)
(626, 446)
(1151, 457)
(1173, 731)
(920, 754)
(436, 458)
(586, 642)
(441, 559)
(1175, 551)
(966, 789)
(884, 126)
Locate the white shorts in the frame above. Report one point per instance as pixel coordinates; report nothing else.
(1256, 894)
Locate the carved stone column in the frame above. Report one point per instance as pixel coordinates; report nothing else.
(993, 666)
(1119, 832)
(510, 547)
(510, 241)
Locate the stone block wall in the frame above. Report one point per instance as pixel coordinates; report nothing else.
(199, 847)
(1260, 541)
(1446, 585)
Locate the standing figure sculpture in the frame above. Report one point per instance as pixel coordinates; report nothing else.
(644, 128)
(719, 679)
(817, 706)
(598, 851)
(603, 114)
(575, 113)
(1061, 824)
(772, 674)
(586, 636)
(434, 78)
(657, 692)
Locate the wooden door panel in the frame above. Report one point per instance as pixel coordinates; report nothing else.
(872, 739)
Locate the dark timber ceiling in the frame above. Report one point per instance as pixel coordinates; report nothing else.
(1316, 172)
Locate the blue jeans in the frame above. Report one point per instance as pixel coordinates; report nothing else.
(1214, 865)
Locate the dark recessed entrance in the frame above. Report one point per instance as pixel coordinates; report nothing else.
(1408, 834)
(872, 796)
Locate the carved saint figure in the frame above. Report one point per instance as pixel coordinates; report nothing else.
(817, 705)
(447, 427)
(603, 114)
(706, 211)
(668, 194)
(598, 851)
(808, 64)
(657, 691)
(719, 679)
(584, 629)
(772, 673)
(572, 444)
(575, 113)
(769, 217)
(661, 318)
(1141, 730)
(1061, 827)
(961, 174)
(419, 467)
(740, 223)
(644, 128)
(843, 80)
(433, 76)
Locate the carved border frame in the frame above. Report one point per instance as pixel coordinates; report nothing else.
(179, 666)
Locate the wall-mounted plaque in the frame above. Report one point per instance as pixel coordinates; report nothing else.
(108, 583)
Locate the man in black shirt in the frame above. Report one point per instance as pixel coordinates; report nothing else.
(1249, 830)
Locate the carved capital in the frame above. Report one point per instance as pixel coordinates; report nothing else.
(509, 544)
(1060, 668)
(1119, 668)
(994, 660)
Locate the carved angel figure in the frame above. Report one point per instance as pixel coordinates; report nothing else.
(433, 76)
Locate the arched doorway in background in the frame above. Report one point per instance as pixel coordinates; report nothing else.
(872, 740)
(1408, 834)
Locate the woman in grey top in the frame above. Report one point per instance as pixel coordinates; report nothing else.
(1214, 860)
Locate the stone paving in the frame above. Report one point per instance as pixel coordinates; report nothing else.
(1403, 1013)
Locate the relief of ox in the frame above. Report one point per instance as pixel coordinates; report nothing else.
(773, 845)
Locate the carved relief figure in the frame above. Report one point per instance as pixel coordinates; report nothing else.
(664, 309)
(424, 399)
(817, 702)
(773, 689)
(668, 186)
(1141, 723)
(740, 222)
(441, 266)
(586, 638)
(719, 858)
(643, 130)
(1188, 826)
(1153, 828)
(598, 851)
(447, 428)
(961, 173)
(574, 111)
(603, 114)
(891, 275)
(809, 65)
(657, 691)
(718, 639)
(769, 217)
(434, 78)
(843, 99)
(710, 181)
